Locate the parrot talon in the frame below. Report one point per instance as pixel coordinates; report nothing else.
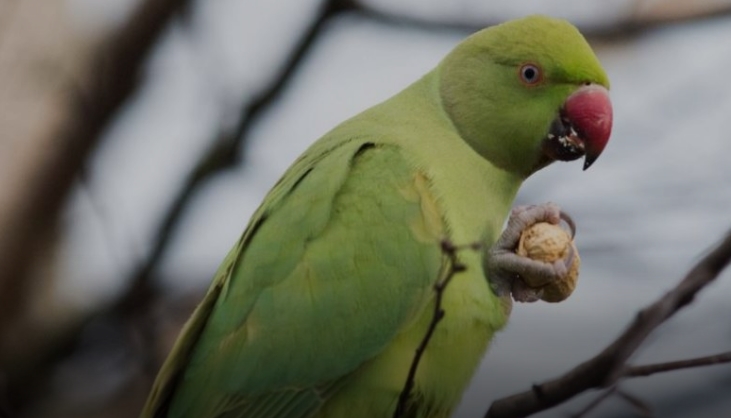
(569, 259)
(570, 222)
(519, 276)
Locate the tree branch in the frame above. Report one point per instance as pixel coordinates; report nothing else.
(650, 369)
(607, 367)
(647, 370)
(452, 267)
(638, 404)
(595, 403)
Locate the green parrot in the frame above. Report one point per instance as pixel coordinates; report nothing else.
(318, 309)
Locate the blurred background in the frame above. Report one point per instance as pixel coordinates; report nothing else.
(138, 136)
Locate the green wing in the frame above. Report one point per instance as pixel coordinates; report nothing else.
(339, 257)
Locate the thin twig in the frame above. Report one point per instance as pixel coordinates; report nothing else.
(595, 403)
(604, 369)
(637, 403)
(452, 267)
(649, 369)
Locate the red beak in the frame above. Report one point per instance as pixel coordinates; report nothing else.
(589, 112)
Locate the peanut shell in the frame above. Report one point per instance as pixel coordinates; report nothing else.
(548, 242)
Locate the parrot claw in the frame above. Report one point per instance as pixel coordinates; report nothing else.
(518, 276)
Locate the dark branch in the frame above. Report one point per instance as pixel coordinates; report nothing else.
(451, 267)
(638, 404)
(607, 367)
(595, 403)
(650, 369)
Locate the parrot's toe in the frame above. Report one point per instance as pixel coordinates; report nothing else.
(522, 277)
(521, 292)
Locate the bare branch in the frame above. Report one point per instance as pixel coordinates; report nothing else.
(595, 403)
(638, 404)
(451, 266)
(607, 367)
(650, 369)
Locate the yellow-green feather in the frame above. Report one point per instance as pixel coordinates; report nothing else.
(318, 309)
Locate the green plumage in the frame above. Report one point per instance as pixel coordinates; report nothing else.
(317, 310)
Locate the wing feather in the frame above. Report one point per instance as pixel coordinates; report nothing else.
(333, 265)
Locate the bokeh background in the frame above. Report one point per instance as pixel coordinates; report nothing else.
(138, 136)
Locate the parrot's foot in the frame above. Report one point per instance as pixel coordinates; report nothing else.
(523, 277)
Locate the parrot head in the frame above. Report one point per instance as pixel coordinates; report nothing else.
(526, 93)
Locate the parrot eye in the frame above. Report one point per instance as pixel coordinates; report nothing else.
(530, 74)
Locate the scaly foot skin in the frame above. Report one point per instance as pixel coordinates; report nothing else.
(522, 277)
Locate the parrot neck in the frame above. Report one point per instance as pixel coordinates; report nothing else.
(476, 194)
